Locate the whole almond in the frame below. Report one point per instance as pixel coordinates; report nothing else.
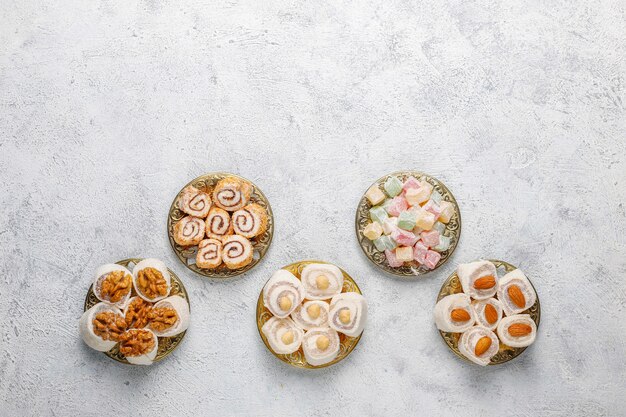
(516, 296)
(459, 314)
(484, 283)
(483, 344)
(519, 329)
(491, 314)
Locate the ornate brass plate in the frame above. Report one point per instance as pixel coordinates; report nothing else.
(187, 255)
(166, 344)
(297, 359)
(453, 229)
(452, 285)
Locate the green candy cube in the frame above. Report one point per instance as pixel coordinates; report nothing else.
(440, 227)
(378, 214)
(406, 220)
(444, 244)
(436, 197)
(385, 242)
(393, 186)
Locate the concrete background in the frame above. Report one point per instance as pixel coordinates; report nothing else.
(108, 107)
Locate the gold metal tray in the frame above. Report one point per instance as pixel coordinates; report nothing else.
(453, 228)
(297, 359)
(187, 255)
(166, 344)
(452, 285)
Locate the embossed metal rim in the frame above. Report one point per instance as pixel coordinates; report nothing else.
(297, 359)
(505, 353)
(166, 344)
(260, 244)
(362, 218)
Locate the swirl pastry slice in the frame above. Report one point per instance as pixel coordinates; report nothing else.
(320, 345)
(488, 312)
(113, 284)
(169, 316)
(517, 331)
(479, 279)
(237, 251)
(250, 221)
(479, 345)
(189, 231)
(321, 281)
(136, 313)
(195, 202)
(283, 335)
(282, 293)
(218, 224)
(311, 314)
(209, 254)
(232, 193)
(151, 279)
(139, 346)
(102, 326)
(516, 293)
(348, 313)
(454, 313)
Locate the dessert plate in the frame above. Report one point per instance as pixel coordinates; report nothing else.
(297, 359)
(452, 231)
(166, 345)
(452, 285)
(187, 254)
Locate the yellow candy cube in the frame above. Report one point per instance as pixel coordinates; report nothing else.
(447, 211)
(375, 195)
(404, 254)
(373, 231)
(425, 219)
(416, 196)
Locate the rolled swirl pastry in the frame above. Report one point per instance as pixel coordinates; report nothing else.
(231, 193)
(250, 221)
(320, 345)
(101, 326)
(237, 251)
(518, 330)
(113, 284)
(169, 316)
(209, 254)
(189, 231)
(152, 280)
(282, 293)
(139, 346)
(479, 345)
(348, 313)
(321, 281)
(311, 314)
(195, 202)
(218, 224)
(488, 312)
(454, 313)
(479, 279)
(283, 335)
(516, 293)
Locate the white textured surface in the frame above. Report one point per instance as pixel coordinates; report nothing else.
(108, 107)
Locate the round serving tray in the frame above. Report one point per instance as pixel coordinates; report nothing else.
(166, 344)
(187, 255)
(452, 285)
(453, 228)
(297, 359)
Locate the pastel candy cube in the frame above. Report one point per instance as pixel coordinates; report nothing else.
(373, 231)
(427, 186)
(407, 220)
(432, 259)
(430, 239)
(433, 207)
(375, 195)
(416, 196)
(404, 237)
(425, 219)
(396, 206)
(417, 230)
(378, 214)
(393, 186)
(392, 260)
(390, 225)
(447, 211)
(440, 227)
(404, 254)
(444, 244)
(410, 182)
(419, 252)
(387, 203)
(385, 243)
(436, 197)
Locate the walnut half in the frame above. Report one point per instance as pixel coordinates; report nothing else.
(151, 283)
(137, 313)
(115, 286)
(109, 326)
(162, 318)
(136, 342)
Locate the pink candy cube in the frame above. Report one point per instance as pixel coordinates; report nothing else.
(392, 260)
(397, 206)
(411, 182)
(432, 258)
(432, 207)
(404, 237)
(430, 239)
(419, 252)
